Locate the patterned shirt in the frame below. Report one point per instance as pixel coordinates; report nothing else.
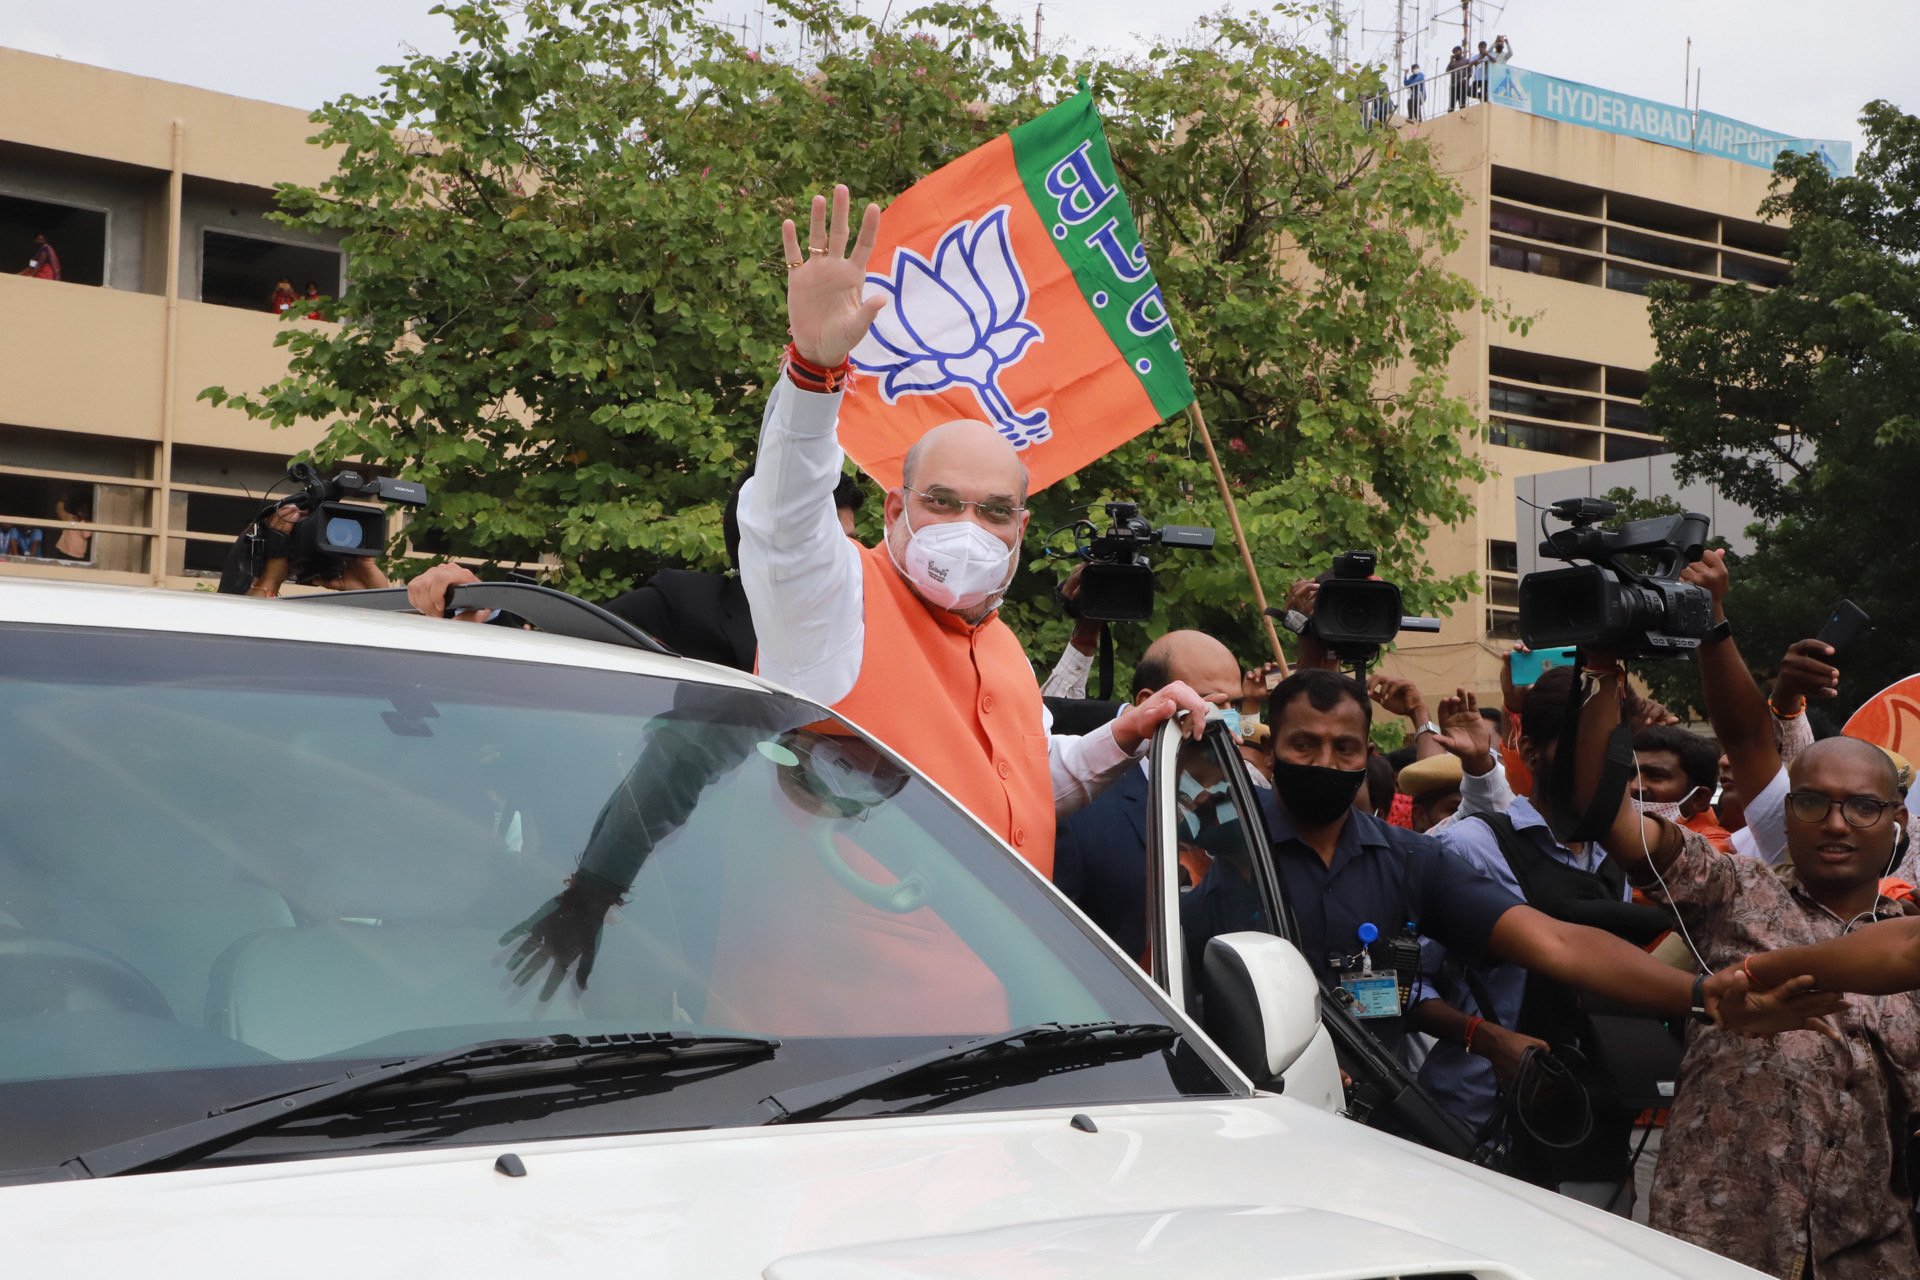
(1789, 1147)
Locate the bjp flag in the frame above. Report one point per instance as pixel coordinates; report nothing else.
(1018, 293)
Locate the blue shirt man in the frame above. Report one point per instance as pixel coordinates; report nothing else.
(1339, 870)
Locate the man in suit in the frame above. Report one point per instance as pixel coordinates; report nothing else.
(705, 615)
(1099, 856)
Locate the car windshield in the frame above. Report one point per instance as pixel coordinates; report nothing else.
(234, 866)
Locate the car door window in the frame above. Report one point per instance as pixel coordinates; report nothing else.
(1210, 871)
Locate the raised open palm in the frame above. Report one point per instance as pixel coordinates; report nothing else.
(827, 310)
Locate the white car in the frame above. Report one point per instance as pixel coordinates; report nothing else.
(295, 906)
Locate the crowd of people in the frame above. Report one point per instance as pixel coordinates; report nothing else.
(72, 505)
(1609, 942)
(1466, 74)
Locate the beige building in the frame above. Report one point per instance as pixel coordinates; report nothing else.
(1566, 225)
(154, 196)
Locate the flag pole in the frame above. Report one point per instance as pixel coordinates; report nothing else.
(1239, 536)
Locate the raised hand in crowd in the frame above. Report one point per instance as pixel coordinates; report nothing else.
(1255, 684)
(828, 312)
(1804, 673)
(1396, 695)
(1465, 733)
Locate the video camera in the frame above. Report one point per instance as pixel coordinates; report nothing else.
(332, 532)
(1117, 583)
(1608, 604)
(1355, 613)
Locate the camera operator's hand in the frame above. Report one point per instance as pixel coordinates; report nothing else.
(428, 592)
(1804, 673)
(274, 572)
(1302, 594)
(1465, 733)
(1136, 724)
(1086, 633)
(1709, 573)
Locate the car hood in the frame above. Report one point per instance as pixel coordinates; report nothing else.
(1234, 1190)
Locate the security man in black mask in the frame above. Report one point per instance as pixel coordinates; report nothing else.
(1360, 892)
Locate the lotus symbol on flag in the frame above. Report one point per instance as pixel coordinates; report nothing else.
(959, 319)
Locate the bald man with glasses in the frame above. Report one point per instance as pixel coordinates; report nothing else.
(1789, 1153)
(905, 638)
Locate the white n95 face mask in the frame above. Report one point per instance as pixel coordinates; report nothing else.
(956, 565)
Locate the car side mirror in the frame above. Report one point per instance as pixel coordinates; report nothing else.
(1261, 1003)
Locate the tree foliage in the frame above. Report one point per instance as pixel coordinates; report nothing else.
(1801, 403)
(567, 292)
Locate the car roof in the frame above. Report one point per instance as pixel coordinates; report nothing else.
(95, 605)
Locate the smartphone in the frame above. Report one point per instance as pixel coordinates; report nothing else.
(1846, 623)
(1530, 666)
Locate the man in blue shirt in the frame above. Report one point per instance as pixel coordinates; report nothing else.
(1340, 871)
(1478, 1052)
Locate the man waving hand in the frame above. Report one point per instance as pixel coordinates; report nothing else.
(905, 638)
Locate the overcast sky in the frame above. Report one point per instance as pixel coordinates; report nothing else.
(1779, 64)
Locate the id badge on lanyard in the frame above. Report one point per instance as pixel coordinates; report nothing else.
(1375, 995)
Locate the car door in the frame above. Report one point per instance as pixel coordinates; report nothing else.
(1209, 874)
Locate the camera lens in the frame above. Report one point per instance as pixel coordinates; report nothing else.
(342, 531)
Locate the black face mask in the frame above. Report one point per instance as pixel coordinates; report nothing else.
(1314, 794)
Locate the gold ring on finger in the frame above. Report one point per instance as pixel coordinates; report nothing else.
(794, 264)
(811, 249)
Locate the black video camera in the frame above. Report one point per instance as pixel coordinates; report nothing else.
(1355, 613)
(1608, 604)
(332, 532)
(1117, 583)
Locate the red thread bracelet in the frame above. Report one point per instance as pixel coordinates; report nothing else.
(1473, 1025)
(808, 376)
(1746, 967)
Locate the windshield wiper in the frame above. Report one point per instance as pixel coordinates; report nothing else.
(1042, 1047)
(474, 1066)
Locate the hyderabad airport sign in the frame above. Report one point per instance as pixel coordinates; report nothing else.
(1699, 131)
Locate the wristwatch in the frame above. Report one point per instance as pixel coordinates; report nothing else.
(1295, 621)
(1428, 727)
(1722, 630)
(1699, 1010)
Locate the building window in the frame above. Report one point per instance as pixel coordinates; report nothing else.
(245, 271)
(1527, 435)
(77, 236)
(1503, 624)
(1503, 556)
(1623, 448)
(51, 478)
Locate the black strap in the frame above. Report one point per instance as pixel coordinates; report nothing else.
(1614, 776)
(1595, 898)
(1106, 663)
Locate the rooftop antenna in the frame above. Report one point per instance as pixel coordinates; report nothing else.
(1686, 76)
(1036, 31)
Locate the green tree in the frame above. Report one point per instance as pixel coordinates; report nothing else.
(567, 292)
(1800, 402)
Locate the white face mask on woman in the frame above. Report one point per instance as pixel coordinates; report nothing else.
(956, 565)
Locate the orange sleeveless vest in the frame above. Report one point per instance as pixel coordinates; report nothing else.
(960, 703)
